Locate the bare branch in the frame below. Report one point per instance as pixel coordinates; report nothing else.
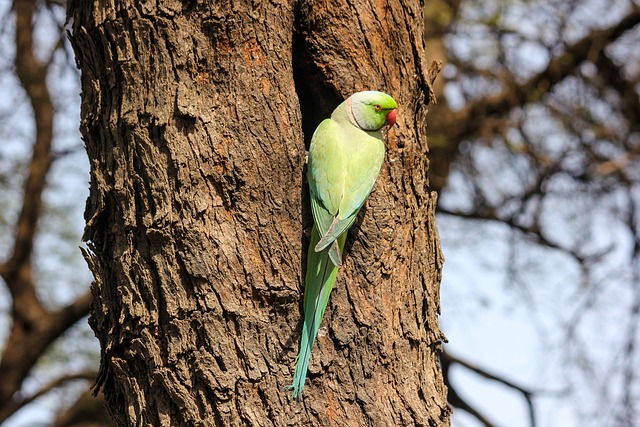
(24, 348)
(472, 120)
(454, 398)
(34, 328)
(86, 375)
(17, 270)
(526, 393)
(532, 232)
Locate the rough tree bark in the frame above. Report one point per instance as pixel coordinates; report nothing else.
(194, 116)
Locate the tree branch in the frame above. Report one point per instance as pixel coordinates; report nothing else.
(33, 327)
(532, 232)
(16, 271)
(449, 359)
(86, 375)
(450, 128)
(24, 348)
(454, 398)
(558, 69)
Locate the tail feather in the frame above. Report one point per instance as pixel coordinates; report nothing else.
(321, 276)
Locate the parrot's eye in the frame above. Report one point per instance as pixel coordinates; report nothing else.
(377, 107)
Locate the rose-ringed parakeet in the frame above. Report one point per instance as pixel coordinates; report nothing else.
(345, 158)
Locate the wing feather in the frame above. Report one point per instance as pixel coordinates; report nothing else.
(344, 162)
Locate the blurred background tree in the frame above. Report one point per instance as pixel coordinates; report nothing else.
(535, 148)
(48, 356)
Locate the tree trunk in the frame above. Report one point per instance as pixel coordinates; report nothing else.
(195, 116)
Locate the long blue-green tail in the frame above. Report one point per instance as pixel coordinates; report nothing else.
(321, 276)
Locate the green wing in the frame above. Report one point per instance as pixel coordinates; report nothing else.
(344, 163)
(327, 173)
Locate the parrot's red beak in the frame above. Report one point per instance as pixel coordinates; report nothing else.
(391, 117)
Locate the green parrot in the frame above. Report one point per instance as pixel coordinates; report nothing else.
(345, 158)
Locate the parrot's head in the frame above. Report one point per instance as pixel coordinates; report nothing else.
(371, 110)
